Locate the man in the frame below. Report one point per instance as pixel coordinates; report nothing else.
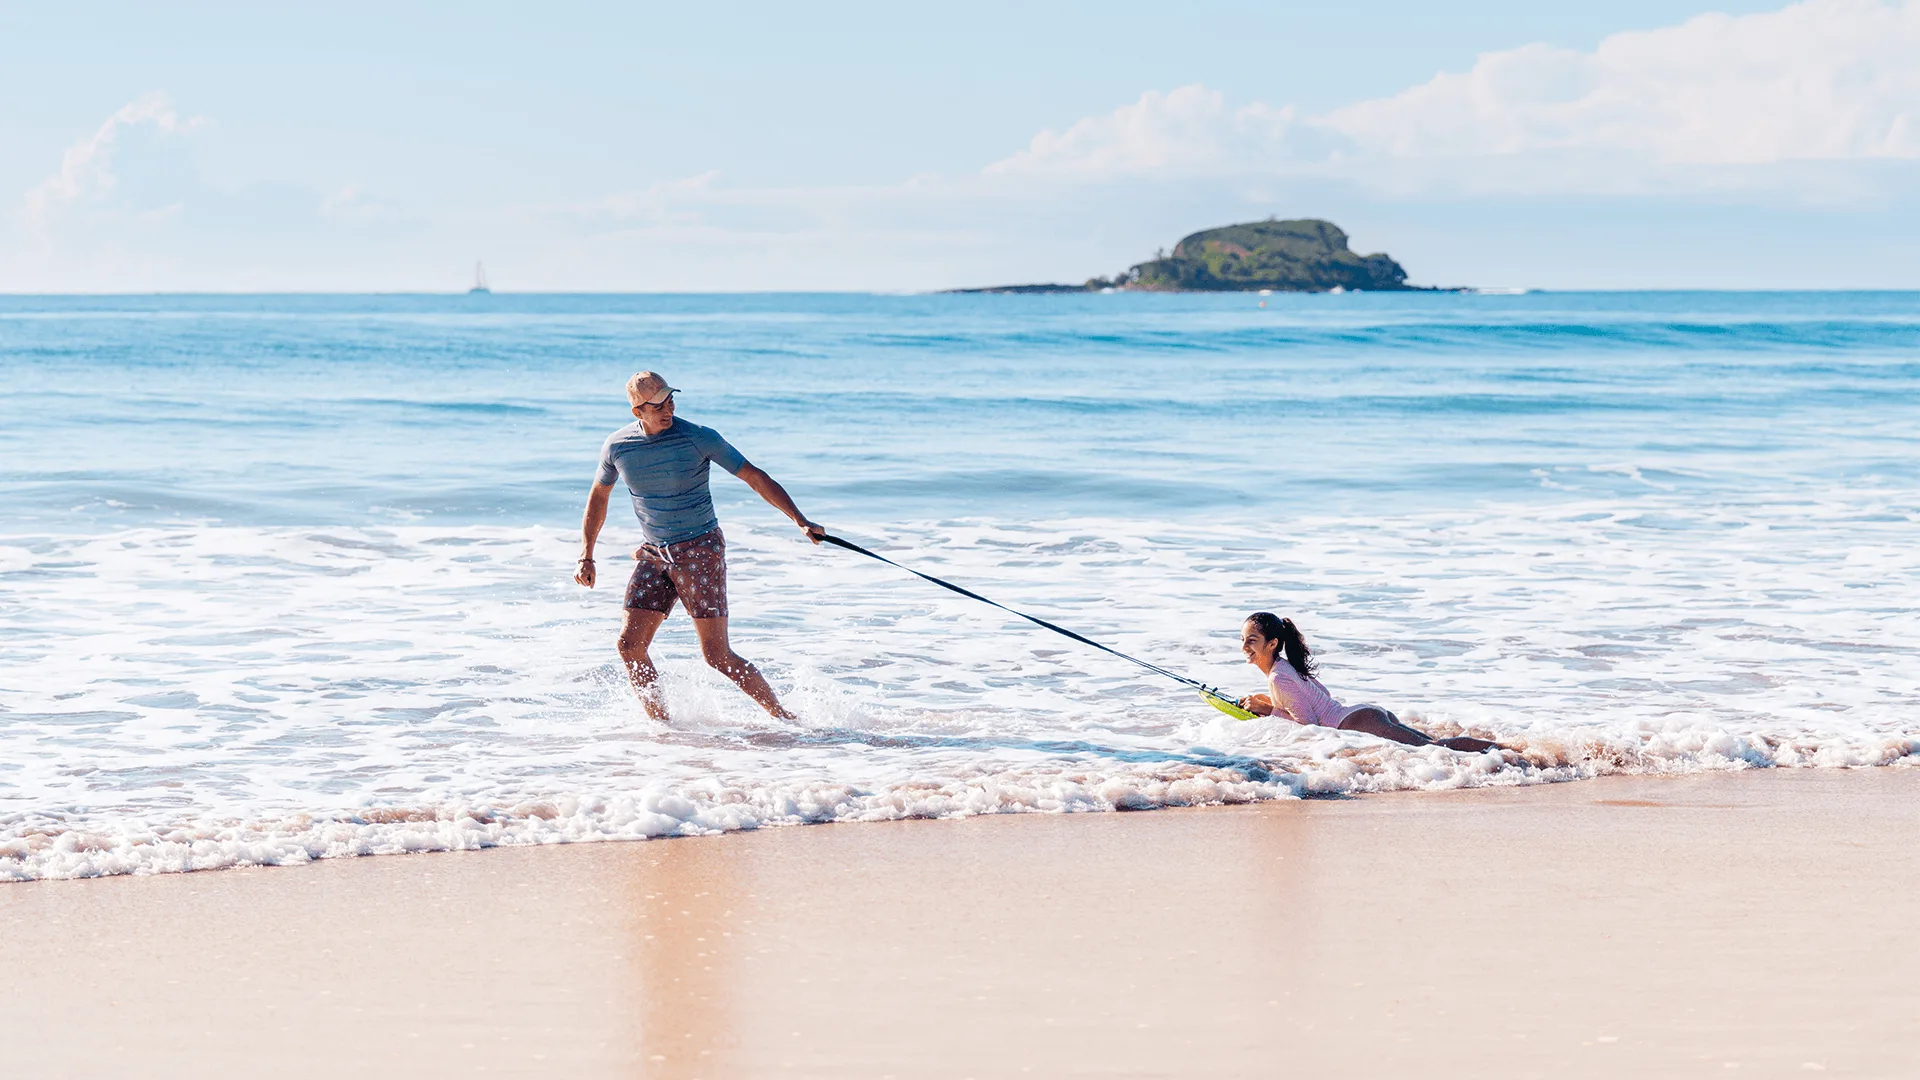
(664, 462)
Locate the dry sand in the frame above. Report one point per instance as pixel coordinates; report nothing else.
(1721, 925)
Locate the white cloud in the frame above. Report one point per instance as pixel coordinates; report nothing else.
(354, 206)
(1188, 130)
(86, 173)
(662, 202)
(1822, 80)
(132, 207)
(1695, 106)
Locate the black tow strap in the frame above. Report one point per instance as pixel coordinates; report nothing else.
(1037, 621)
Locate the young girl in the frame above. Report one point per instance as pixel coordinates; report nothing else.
(1274, 645)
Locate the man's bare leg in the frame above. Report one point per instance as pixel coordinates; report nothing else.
(721, 658)
(635, 636)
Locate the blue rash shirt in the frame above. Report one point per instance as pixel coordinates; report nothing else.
(667, 476)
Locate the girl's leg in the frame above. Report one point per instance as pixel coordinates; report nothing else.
(1469, 744)
(1383, 724)
(1380, 722)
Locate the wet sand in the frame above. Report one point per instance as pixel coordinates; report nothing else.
(1723, 925)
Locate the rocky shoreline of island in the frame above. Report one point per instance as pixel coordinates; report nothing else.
(1298, 255)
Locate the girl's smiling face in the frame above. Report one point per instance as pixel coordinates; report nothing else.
(1258, 648)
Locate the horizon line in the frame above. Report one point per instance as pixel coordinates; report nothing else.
(982, 291)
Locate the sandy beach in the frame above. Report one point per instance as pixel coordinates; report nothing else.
(1759, 922)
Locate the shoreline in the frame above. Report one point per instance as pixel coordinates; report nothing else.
(1620, 926)
(64, 851)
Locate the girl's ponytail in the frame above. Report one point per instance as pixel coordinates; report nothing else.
(1292, 644)
(1298, 654)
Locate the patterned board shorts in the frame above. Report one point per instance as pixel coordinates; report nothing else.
(692, 570)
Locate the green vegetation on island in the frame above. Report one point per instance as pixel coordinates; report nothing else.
(1306, 255)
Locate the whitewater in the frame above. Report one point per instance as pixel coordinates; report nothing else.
(287, 578)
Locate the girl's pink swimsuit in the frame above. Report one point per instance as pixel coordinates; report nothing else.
(1302, 699)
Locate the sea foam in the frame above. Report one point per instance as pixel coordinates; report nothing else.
(233, 696)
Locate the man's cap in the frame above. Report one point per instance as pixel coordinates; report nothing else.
(648, 388)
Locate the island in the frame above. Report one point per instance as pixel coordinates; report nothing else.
(1303, 255)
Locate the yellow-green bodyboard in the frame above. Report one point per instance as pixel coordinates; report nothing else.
(1226, 705)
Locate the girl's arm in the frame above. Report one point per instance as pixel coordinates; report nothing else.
(1257, 704)
(1282, 702)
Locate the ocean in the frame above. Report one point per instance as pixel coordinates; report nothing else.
(288, 577)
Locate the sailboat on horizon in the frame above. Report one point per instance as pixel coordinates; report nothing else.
(479, 279)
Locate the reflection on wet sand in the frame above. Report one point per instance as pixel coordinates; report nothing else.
(685, 900)
(862, 950)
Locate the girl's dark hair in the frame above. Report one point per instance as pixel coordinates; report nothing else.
(1291, 643)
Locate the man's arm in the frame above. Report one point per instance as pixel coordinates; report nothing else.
(590, 523)
(769, 489)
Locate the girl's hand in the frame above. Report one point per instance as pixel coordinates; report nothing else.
(1257, 704)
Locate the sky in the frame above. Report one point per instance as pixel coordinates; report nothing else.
(605, 147)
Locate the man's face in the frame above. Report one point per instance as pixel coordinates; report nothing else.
(655, 419)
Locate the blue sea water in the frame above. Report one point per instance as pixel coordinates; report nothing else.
(284, 577)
